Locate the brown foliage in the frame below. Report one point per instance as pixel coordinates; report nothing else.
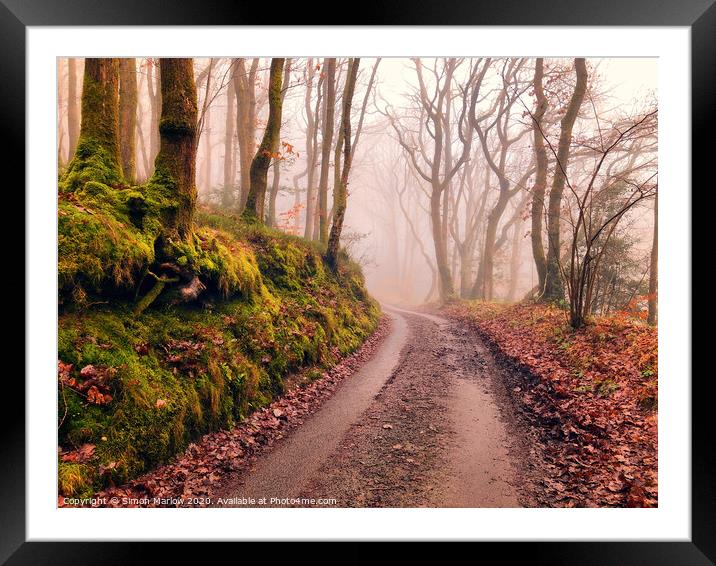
(592, 393)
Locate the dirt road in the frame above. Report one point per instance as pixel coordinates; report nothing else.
(424, 422)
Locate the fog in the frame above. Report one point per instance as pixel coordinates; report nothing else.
(444, 162)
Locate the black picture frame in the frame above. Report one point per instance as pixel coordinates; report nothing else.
(16, 15)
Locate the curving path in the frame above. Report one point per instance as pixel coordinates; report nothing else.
(418, 425)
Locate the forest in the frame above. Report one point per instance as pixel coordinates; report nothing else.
(437, 276)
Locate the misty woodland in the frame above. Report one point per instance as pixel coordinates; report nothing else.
(346, 282)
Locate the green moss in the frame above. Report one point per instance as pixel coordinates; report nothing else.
(108, 233)
(106, 230)
(208, 369)
(75, 479)
(91, 163)
(96, 247)
(221, 259)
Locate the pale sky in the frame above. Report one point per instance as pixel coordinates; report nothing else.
(630, 77)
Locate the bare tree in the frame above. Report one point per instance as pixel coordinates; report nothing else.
(498, 162)
(312, 117)
(73, 114)
(515, 258)
(595, 225)
(468, 208)
(431, 166)
(143, 148)
(276, 179)
(414, 232)
(340, 198)
(553, 287)
(61, 111)
(255, 202)
(245, 88)
(155, 106)
(326, 141)
(540, 185)
(204, 129)
(227, 195)
(128, 117)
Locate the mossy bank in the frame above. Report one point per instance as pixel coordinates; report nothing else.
(135, 389)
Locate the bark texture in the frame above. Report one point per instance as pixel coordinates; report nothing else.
(176, 161)
(100, 107)
(326, 142)
(155, 107)
(227, 195)
(540, 185)
(311, 148)
(128, 117)
(245, 88)
(73, 112)
(255, 201)
(276, 179)
(340, 199)
(554, 286)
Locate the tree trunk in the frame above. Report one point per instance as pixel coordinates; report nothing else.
(337, 161)
(311, 149)
(175, 165)
(416, 240)
(484, 285)
(515, 260)
(73, 114)
(128, 117)
(245, 87)
(61, 114)
(206, 133)
(259, 166)
(326, 142)
(142, 145)
(204, 122)
(100, 108)
(227, 195)
(445, 283)
(540, 186)
(554, 287)
(276, 179)
(242, 130)
(155, 105)
(465, 270)
(340, 190)
(653, 267)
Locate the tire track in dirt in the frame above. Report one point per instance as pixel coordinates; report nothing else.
(419, 425)
(433, 437)
(282, 471)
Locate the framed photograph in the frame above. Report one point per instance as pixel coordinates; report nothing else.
(407, 279)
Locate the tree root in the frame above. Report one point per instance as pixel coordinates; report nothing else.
(153, 293)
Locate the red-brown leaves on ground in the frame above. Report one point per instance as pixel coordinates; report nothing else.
(594, 399)
(80, 455)
(92, 382)
(183, 354)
